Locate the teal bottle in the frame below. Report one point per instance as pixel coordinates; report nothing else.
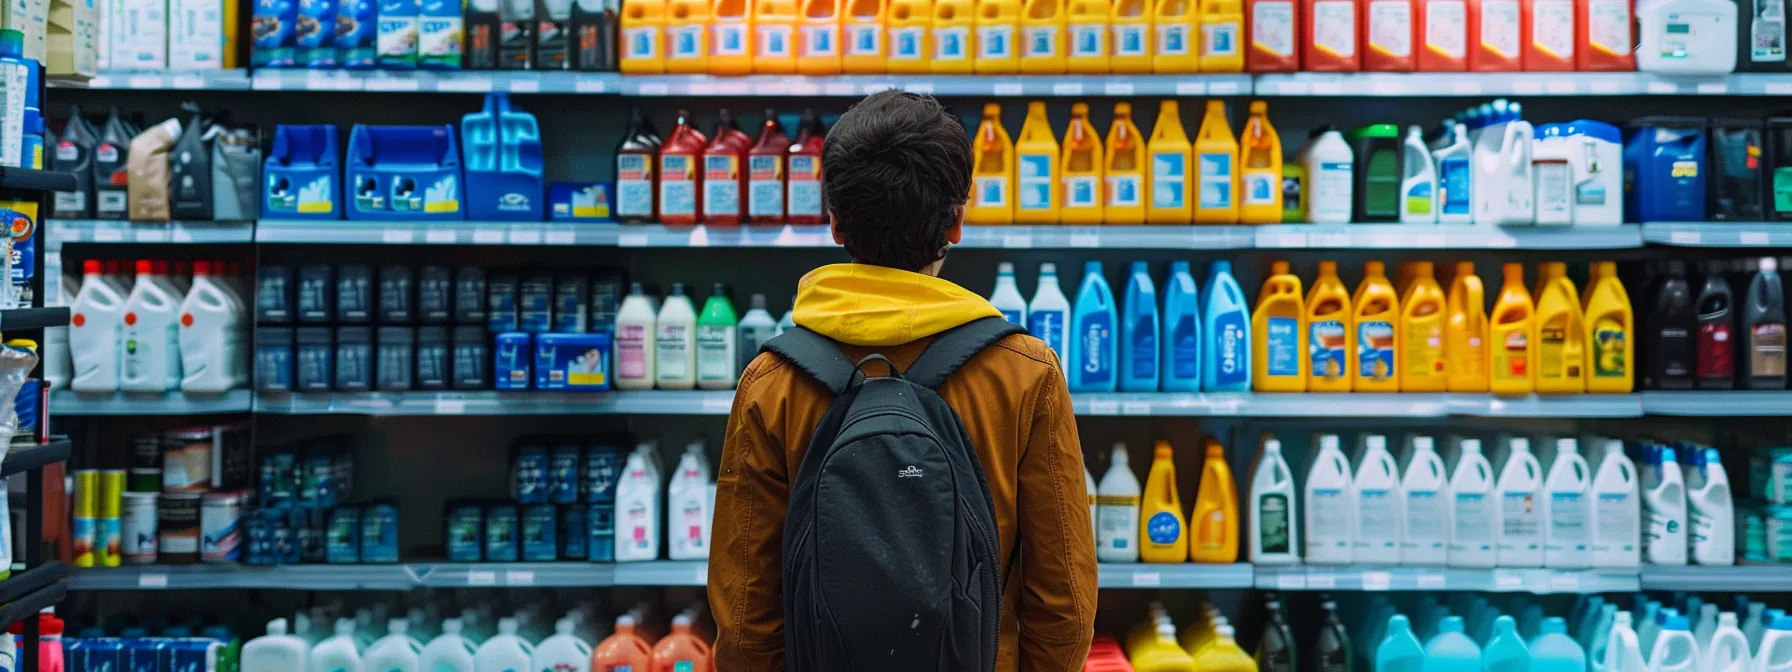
(1451, 650)
(1554, 651)
(1139, 352)
(1588, 618)
(1182, 331)
(1228, 330)
(1506, 652)
(1093, 335)
(1400, 650)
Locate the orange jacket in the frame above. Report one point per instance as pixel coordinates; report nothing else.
(1014, 403)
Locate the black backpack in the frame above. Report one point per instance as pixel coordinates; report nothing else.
(890, 547)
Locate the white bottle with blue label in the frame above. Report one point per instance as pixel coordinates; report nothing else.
(1181, 331)
(1330, 514)
(1521, 514)
(1567, 509)
(1139, 352)
(1474, 509)
(1664, 496)
(1418, 180)
(1093, 336)
(1227, 331)
(1455, 176)
(1381, 504)
(1007, 296)
(1049, 313)
(1329, 164)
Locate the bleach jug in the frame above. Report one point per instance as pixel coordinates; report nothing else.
(504, 651)
(1048, 316)
(1623, 650)
(690, 511)
(953, 51)
(1521, 511)
(1088, 33)
(1381, 505)
(1450, 650)
(643, 27)
(1007, 296)
(1503, 192)
(1130, 49)
(1139, 352)
(1043, 27)
(1567, 509)
(909, 38)
(562, 652)
(1331, 511)
(997, 21)
(275, 651)
(774, 36)
(1686, 37)
(1399, 651)
(1616, 527)
(818, 48)
(395, 651)
(338, 652)
(638, 508)
(1176, 47)
(1093, 332)
(1506, 651)
(1664, 495)
(448, 652)
(1330, 166)
(862, 34)
(1727, 649)
(1775, 652)
(1596, 166)
(1474, 509)
(1182, 342)
(1117, 511)
(1280, 364)
(1425, 534)
(1554, 651)
(1163, 535)
(1675, 649)
(1713, 515)
(1275, 538)
(1228, 333)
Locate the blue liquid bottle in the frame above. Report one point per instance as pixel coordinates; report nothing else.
(1139, 364)
(1093, 332)
(1182, 331)
(1506, 652)
(1450, 650)
(1554, 651)
(1228, 333)
(1400, 650)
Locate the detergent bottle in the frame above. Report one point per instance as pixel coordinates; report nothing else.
(1381, 504)
(1048, 315)
(1275, 538)
(1160, 653)
(1260, 169)
(1727, 648)
(1082, 188)
(1377, 316)
(1092, 352)
(1223, 654)
(1453, 157)
(1513, 355)
(992, 180)
(1215, 518)
(1602, 36)
(1664, 498)
(1450, 650)
(1007, 296)
(1129, 51)
(688, 505)
(1281, 339)
(1675, 649)
(1123, 198)
(395, 651)
(1425, 533)
(1182, 342)
(638, 503)
(1713, 516)
(1465, 332)
(1329, 36)
(503, 651)
(1087, 36)
(643, 27)
(1547, 35)
(997, 22)
(1117, 511)
(1561, 335)
(863, 33)
(1495, 36)
(681, 650)
(1474, 509)
(1176, 50)
(1418, 181)
(1506, 651)
(96, 332)
(448, 652)
(1521, 510)
(1329, 166)
(681, 177)
(1227, 330)
(953, 48)
(1399, 651)
(1388, 28)
(1139, 350)
(275, 651)
(339, 652)
(1162, 532)
(1616, 527)
(1754, 625)
(1271, 36)
(1222, 35)
(909, 38)
(1422, 333)
(1775, 652)
(1331, 333)
(687, 36)
(1043, 28)
(1331, 510)
(637, 330)
(675, 362)
(774, 37)
(151, 349)
(1568, 509)
(1216, 152)
(731, 38)
(1623, 651)
(624, 650)
(1610, 326)
(1169, 149)
(818, 49)
(1036, 153)
(211, 326)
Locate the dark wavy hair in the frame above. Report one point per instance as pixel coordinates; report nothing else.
(895, 169)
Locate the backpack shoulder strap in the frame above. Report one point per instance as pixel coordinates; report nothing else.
(816, 355)
(955, 346)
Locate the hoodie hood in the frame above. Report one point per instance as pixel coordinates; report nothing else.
(875, 306)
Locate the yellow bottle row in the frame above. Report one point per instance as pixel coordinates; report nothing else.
(1033, 179)
(825, 37)
(1416, 338)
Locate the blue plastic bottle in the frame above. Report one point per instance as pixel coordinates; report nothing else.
(1506, 652)
(1664, 165)
(1139, 364)
(19, 151)
(1400, 650)
(1554, 651)
(503, 162)
(1092, 337)
(1228, 333)
(1182, 331)
(1450, 650)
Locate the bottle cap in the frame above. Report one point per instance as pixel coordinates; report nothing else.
(12, 43)
(1005, 268)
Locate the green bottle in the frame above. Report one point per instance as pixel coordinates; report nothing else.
(717, 362)
(233, 648)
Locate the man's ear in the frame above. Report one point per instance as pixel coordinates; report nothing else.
(834, 228)
(955, 235)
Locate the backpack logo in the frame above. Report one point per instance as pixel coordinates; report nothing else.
(911, 472)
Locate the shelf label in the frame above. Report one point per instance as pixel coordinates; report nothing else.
(108, 236)
(562, 238)
(1559, 87)
(1562, 582)
(1085, 240)
(837, 89)
(1659, 87)
(1376, 580)
(1135, 408)
(482, 577)
(152, 236)
(1713, 88)
(450, 406)
(1332, 88)
(466, 84)
(1753, 237)
(143, 82)
(917, 87)
(1431, 581)
(587, 85)
(1147, 579)
(653, 89)
(1017, 241)
(1118, 88)
(1067, 89)
(1287, 240)
(1007, 89)
(391, 84)
(1191, 88)
(631, 240)
(1527, 86)
(188, 82)
(488, 236)
(180, 234)
(1603, 86)
(1429, 240)
(1291, 582)
(1778, 88)
(1321, 581)
(525, 86)
(718, 404)
(157, 580)
(439, 236)
(1684, 237)
(1385, 88)
(1329, 239)
(1223, 88)
(525, 237)
(519, 577)
(1104, 407)
(1507, 580)
(397, 236)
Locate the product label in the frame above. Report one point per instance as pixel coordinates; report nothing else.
(1552, 345)
(1375, 350)
(1325, 346)
(804, 186)
(1130, 40)
(1048, 326)
(1081, 191)
(634, 185)
(1088, 40)
(687, 41)
(1172, 39)
(765, 186)
(1567, 521)
(1608, 349)
(1552, 28)
(1272, 28)
(1230, 365)
(1452, 183)
(821, 41)
(1424, 353)
(1609, 25)
(1511, 355)
(1446, 30)
(1035, 181)
(1328, 522)
(1117, 518)
(1425, 516)
(991, 191)
(1123, 190)
(730, 39)
(1041, 41)
(1219, 40)
(905, 43)
(1474, 523)
(1144, 347)
(1617, 517)
(1390, 27)
(1185, 348)
(1334, 28)
(1554, 190)
(1282, 343)
(1015, 317)
(995, 41)
(1169, 171)
(721, 185)
(1273, 523)
(678, 185)
(864, 39)
(643, 43)
(1260, 188)
(1716, 352)
(1521, 522)
(1216, 179)
(949, 44)
(715, 353)
(1330, 199)
(1163, 528)
(1767, 32)
(1418, 199)
(1097, 350)
(774, 40)
(1378, 514)
(1499, 27)
(672, 359)
(1767, 350)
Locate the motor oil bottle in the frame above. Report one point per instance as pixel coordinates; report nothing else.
(1169, 149)
(1042, 33)
(1418, 180)
(1602, 36)
(1216, 152)
(687, 36)
(151, 359)
(818, 49)
(954, 48)
(643, 27)
(774, 36)
(802, 184)
(1512, 355)
(1271, 36)
(1377, 334)
(1442, 35)
(681, 190)
(1611, 354)
(1388, 28)
(998, 23)
(992, 180)
(1424, 313)
(1547, 33)
(1163, 536)
(909, 36)
(1494, 36)
(1215, 517)
(1260, 169)
(1715, 344)
(1081, 166)
(1673, 323)
(1763, 326)
(1176, 51)
(1281, 365)
(724, 174)
(765, 173)
(1222, 35)
(862, 30)
(111, 172)
(1377, 179)
(730, 37)
(1129, 46)
(1561, 333)
(1036, 156)
(1331, 333)
(74, 154)
(1087, 34)
(1329, 36)
(636, 164)
(1124, 196)
(1734, 190)
(1294, 193)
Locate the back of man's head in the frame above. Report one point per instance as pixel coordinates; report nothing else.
(896, 169)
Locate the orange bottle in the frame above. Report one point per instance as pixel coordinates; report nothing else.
(725, 173)
(1260, 169)
(862, 29)
(910, 41)
(1214, 522)
(1548, 35)
(1602, 36)
(1128, 179)
(1387, 37)
(1080, 171)
(1377, 332)
(1512, 352)
(818, 38)
(1423, 312)
(624, 650)
(1331, 333)
(1465, 330)
(1270, 32)
(1494, 36)
(998, 26)
(1129, 49)
(687, 36)
(730, 38)
(1442, 35)
(680, 650)
(774, 38)
(1329, 36)
(643, 37)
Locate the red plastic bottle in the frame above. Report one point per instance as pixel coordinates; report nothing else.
(1329, 36)
(1603, 37)
(1272, 31)
(724, 173)
(1549, 35)
(635, 168)
(1387, 35)
(765, 173)
(802, 190)
(681, 183)
(1494, 36)
(1443, 35)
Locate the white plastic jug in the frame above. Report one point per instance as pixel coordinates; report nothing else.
(1553, 172)
(1329, 164)
(1596, 157)
(211, 335)
(638, 508)
(503, 652)
(1686, 37)
(688, 505)
(1775, 652)
(58, 367)
(1664, 492)
(1727, 650)
(1454, 159)
(1331, 510)
(1567, 511)
(1617, 527)
(150, 361)
(337, 652)
(1713, 515)
(1048, 316)
(1425, 534)
(396, 652)
(675, 360)
(1275, 538)
(1381, 504)
(1474, 509)
(1521, 516)
(637, 347)
(1117, 510)
(275, 651)
(96, 332)
(1418, 180)
(1674, 650)
(449, 651)
(1503, 180)
(1754, 626)
(562, 652)
(1007, 296)
(1623, 653)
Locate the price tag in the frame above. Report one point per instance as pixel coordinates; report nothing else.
(1376, 580)
(1227, 406)
(1147, 579)
(1559, 87)
(519, 577)
(653, 89)
(488, 236)
(700, 575)
(1527, 86)
(525, 86)
(1007, 89)
(180, 234)
(1428, 240)
(152, 236)
(718, 404)
(397, 236)
(108, 236)
(1328, 88)
(1291, 582)
(152, 580)
(1017, 241)
(1657, 87)
(1387, 88)
(631, 240)
(1431, 582)
(525, 236)
(590, 85)
(1684, 237)
(100, 82)
(1269, 85)
(189, 82)
(837, 89)
(1713, 88)
(1118, 88)
(1386, 240)
(1507, 581)
(1753, 237)
(1104, 407)
(439, 237)
(1329, 239)
(143, 82)
(465, 84)
(1135, 408)
(482, 577)
(1085, 240)
(1466, 88)
(1191, 88)
(562, 237)
(1603, 87)
(1564, 583)
(451, 406)
(1778, 88)
(1067, 89)
(1318, 581)
(916, 87)
(268, 83)
(1223, 88)
(391, 84)
(1288, 240)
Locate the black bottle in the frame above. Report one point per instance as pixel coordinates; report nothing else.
(74, 154)
(111, 175)
(1764, 330)
(594, 35)
(1331, 653)
(1715, 344)
(1672, 322)
(1275, 650)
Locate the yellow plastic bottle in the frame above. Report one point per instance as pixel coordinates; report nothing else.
(1611, 332)
(1160, 653)
(774, 36)
(1423, 310)
(1222, 29)
(1561, 336)
(1281, 347)
(1511, 354)
(992, 179)
(1129, 47)
(1196, 634)
(818, 47)
(1586, 293)
(1081, 170)
(1377, 331)
(954, 49)
(1169, 150)
(731, 37)
(1036, 175)
(1331, 333)
(1176, 51)
(1088, 36)
(1222, 653)
(643, 24)
(1546, 272)
(687, 36)
(909, 37)
(1216, 153)
(1163, 536)
(1259, 169)
(1042, 34)
(998, 23)
(1127, 183)
(1465, 331)
(1215, 520)
(862, 32)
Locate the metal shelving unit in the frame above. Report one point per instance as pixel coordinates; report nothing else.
(119, 231)
(1539, 581)
(1719, 234)
(172, 403)
(1750, 403)
(1696, 578)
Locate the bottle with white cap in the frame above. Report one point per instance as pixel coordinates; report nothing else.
(1048, 316)
(1521, 516)
(1567, 511)
(448, 652)
(1007, 296)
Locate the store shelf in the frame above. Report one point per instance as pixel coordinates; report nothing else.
(235, 576)
(159, 80)
(1184, 404)
(436, 81)
(27, 179)
(939, 85)
(1114, 575)
(515, 574)
(1738, 403)
(119, 231)
(1719, 234)
(1540, 581)
(434, 232)
(1534, 406)
(1450, 236)
(1740, 578)
(65, 402)
(491, 402)
(34, 318)
(1517, 84)
(662, 573)
(21, 459)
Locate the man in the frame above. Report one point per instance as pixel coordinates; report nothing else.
(898, 169)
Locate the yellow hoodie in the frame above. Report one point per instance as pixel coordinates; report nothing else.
(877, 306)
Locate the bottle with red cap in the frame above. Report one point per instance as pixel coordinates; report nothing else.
(765, 172)
(149, 360)
(681, 180)
(49, 643)
(95, 328)
(802, 187)
(724, 173)
(211, 326)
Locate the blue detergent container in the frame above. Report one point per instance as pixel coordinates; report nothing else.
(302, 177)
(1182, 331)
(1451, 650)
(1139, 365)
(503, 162)
(1664, 170)
(1400, 650)
(404, 173)
(1228, 333)
(1092, 365)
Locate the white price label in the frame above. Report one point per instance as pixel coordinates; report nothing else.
(1067, 89)
(1118, 88)
(152, 580)
(180, 234)
(1007, 89)
(152, 236)
(1466, 88)
(439, 237)
(1147, 579)
(1376, 580)
(1328, 88)
(267, 83)
(587, 85)
(1288, 240)
(1778, 88)
(519, 577)
(1291, 582)
(1329, 239)
(1753, 237)
(488, 236)
(1387, 88)
(143, 82)
(1564, 582)
(465, 84)
(631, 240)
(1428, 240)
(562, 237)
(1603, 86)
(1223, 88)
(451, 406)
(1669, 88)
(653, 89)
(1318, 581)
(188, 82)
(1527, 86)
(397, 236)
(1684, 237)
(525, 86)
(1713, 88)
(1191, 88)
(916, 87)
(1017, 241)
(108, 236)
(392, 84)
(1135, 408)
(1431, 581)
(1085, 240)
(1104, 407)
(1507, 581)
(1559, 87)
(837, 88)
(482, 577)
(525, 237)
(718, 404)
